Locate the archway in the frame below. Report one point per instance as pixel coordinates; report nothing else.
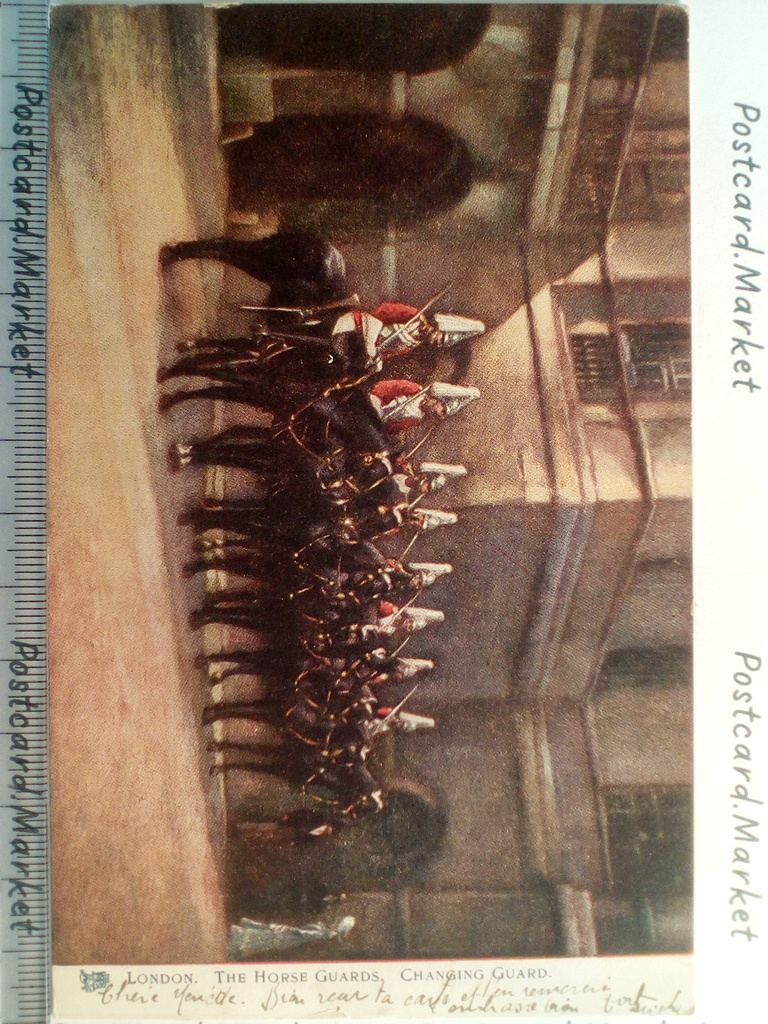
(373, 38)
(404, 169)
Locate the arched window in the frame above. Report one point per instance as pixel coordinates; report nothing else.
(373, 38)
(407, 168)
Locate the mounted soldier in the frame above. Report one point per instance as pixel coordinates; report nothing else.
(401, 404)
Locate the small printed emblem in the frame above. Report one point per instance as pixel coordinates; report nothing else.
(94, 980)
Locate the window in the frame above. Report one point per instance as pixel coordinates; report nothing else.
(650, 841)
(645, 667)
(597, 365)
(658, 358)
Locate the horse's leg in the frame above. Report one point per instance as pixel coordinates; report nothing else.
(217, 392)
(252, 452)
(198, 363)
(242, 597)
(264, 710)
(232, 520)
(182, 455)
(261, 611)
(246, 542)
(213, 504)
(223, 664)
(226, 561)
(265, 620)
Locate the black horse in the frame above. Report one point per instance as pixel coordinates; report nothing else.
(300, 269)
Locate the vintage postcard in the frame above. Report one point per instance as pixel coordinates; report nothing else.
(371, 607)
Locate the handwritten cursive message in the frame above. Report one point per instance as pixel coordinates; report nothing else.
(648, 986)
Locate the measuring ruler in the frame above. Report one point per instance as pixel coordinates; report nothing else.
(24, 826)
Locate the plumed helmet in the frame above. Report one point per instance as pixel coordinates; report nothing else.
(455, 328)
(407, 668)
(404, 721)
(410, 619)
(443, 468)
(440, 473)
(430, 572)
(407, 721)
(432, 518)
(453, 396)
(420, 618)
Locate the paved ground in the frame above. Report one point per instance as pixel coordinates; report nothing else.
(137, 829)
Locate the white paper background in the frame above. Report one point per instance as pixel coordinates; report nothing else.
(730, 548)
